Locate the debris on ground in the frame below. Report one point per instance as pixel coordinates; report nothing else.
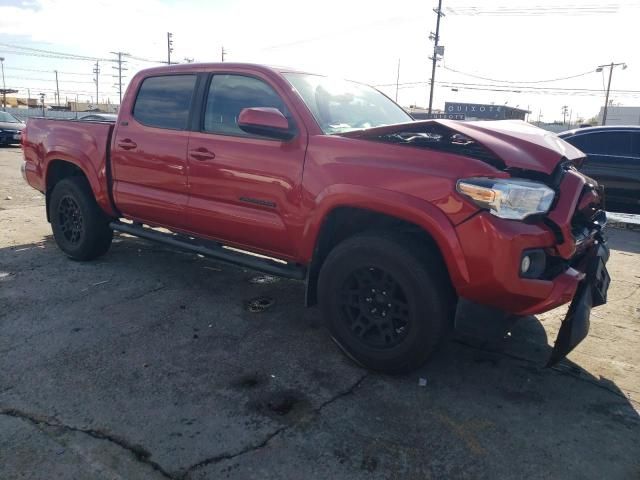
(422, 382)
(264, 279)
(260, 304)
(8, 197)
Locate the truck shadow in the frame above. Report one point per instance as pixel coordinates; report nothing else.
(174, 315)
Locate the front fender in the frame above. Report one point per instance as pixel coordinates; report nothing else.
(404, 207)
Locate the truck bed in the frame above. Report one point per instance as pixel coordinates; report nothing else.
(84, 144)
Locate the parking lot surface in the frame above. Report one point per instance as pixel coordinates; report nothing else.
(153, 363)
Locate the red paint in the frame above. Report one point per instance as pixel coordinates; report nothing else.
(272, 196)
(264, 117)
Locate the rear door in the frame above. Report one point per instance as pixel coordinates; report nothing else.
(149, 152)
(244, 188)
(613, 159)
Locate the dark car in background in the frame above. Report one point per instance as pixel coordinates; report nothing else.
(613, 160)
(100, 117)
(10, 129)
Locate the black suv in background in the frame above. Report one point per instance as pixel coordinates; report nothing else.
(613, 160)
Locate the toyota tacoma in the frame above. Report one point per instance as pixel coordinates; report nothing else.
(389, 221)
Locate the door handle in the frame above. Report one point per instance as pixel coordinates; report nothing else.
(202, 154)
(127, 144)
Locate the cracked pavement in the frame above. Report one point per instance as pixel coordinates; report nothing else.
(147, 364)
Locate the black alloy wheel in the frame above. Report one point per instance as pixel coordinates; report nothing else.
(375, 307)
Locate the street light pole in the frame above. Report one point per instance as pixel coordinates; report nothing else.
(4, 87)
(610, 66)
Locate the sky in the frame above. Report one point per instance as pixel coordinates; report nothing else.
(512, 43)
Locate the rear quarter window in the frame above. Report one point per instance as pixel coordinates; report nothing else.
(164, 101)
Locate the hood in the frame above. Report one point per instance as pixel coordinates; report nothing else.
(11, 126)
(502, 143)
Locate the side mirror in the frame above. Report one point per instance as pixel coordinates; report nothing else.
(265, 121)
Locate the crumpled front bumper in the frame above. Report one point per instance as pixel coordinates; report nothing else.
(570, 238)
(591, 292)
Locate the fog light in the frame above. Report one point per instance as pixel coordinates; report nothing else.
(533, 263)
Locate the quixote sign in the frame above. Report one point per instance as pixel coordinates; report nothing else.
(476, 110)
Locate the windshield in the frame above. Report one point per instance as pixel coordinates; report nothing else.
(8, 118)
(340, 106)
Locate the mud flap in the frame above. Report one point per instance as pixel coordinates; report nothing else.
(591, 292)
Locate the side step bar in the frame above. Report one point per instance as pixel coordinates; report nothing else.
(213, 250)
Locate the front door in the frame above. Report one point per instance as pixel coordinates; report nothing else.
(243, 187)
(149, 152)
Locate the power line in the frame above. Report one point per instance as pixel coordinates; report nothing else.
(46, 79)
(50, 52)
(583, 8)
(42, 55)
(519, 81)
(508, 87)
(46, 71)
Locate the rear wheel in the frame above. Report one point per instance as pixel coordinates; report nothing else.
(386, 300)
(80, 227)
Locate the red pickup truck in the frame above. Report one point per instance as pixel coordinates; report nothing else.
(388, 220)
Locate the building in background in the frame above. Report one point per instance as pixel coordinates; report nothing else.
(16, 102)
(481, 111)
(621, 115)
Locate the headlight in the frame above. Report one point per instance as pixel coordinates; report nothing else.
(511, 198)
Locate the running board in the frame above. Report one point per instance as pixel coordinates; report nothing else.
(214, 250)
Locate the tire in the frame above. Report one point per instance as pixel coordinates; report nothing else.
(80, 227)
(404, 282)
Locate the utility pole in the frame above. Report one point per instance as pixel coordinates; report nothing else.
(223, 52)
(57, 88)
(397, 80)
(42, 102)
(28, 98)
(169, 47)
(565, 110)
(436, 50)
(96, 70)
(120, 68)
(606, 100)
(4, 87)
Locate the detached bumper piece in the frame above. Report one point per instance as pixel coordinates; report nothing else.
(591, 292)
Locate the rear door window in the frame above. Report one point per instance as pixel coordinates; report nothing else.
(164, 101)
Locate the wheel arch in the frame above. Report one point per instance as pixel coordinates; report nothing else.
(346, 210)
(61, 164)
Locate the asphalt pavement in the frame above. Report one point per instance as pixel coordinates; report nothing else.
(154, 363)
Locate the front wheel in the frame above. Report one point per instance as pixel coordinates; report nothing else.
(387, 300)
(80, 227)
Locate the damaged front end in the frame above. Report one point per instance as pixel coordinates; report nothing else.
(559, 224)
(583, 239)
(591, 292)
